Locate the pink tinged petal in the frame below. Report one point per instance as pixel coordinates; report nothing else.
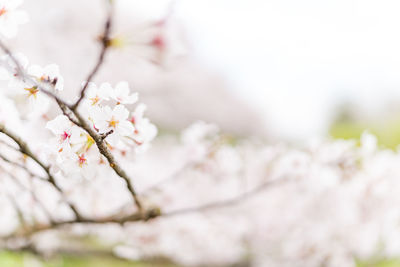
(132, 98)
(77, 136)
(125, 128)
(104, 91)
(139, 112)
(59, 125)
(120, 113)
(122, 88)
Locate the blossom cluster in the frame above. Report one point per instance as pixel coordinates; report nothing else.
(108, 110)
(225, 200)
(24, 92)
(105, 108)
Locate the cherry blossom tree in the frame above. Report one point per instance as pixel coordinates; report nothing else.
(92, 165)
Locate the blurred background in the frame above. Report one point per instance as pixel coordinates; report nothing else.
(282, 69)
(275, 70)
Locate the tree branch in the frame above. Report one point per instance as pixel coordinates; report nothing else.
(105, 44)
(16, 164)
(101, 145)
(225, 203)
(24, 149)
(21, 74)
(154, 213)
(79, 121)
(104, 135)
(33, 195)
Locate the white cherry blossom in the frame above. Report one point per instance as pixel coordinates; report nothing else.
(121, 94)
(68, 135)
(145, 131)
(11, 17)
(106, 119)
(49, 74)
(96, 95)
(32, 102)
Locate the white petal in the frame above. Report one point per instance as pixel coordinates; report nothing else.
(120, 113)
(125, 128)
(59, 124)
(35, 70)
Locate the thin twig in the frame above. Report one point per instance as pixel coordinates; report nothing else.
(79, 121)
(168, 179)
(104, 135)
(67, 112)
(105, 44)
(21, 74)
(24, 149)
(156, 213)
(225, 203)
(23, 167)
(32, 193)
(103, 149)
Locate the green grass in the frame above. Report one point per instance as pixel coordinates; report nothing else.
(23, 259)
(381, 263)
(386, 131)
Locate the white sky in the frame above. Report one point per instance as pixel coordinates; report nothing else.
(294, 60)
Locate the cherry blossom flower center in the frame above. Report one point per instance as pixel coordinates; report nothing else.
(95, 100)
(65, 136)
(158, 42)
(45, 78)
(3, 10)
(81, 160)
(32, 91)
(113, 123)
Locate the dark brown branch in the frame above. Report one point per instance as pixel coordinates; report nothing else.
(104, 135)
(105, 44)
(66, 111)
(103, 149)
(156, 213)
(138, 216)
(70, 110)
(24, 149)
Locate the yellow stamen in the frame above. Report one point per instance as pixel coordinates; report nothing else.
(82, 160)
(32, 91)
(45, 78)
(2, 11)
(118, 42)
(95, 100)
(113, 123)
